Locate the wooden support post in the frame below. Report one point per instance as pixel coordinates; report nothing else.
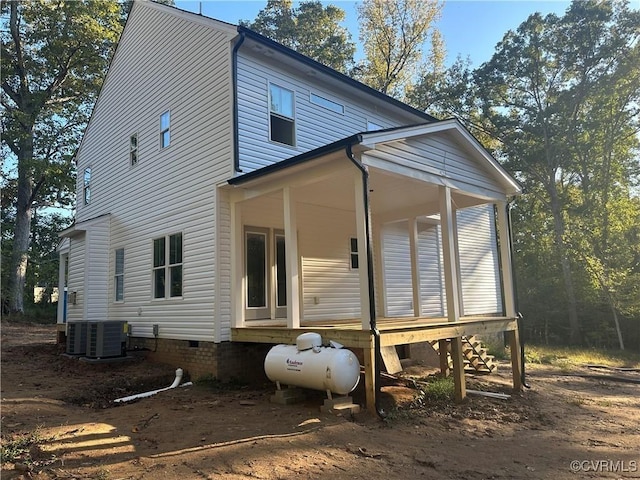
(452, 282)
(458, 369)
(370, 376)
(513, 338)
(443, 348)
(291, 254)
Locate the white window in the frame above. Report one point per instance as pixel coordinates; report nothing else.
(133, 149)
(326, 103)
(373, 126)
(353, 254)
(281, 115)
(87, 186)
(119, 275)
(167, 266)
(165, 129)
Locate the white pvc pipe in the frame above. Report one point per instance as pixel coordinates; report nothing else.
(175, 383)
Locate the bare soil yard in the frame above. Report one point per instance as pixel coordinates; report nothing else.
(566, 426)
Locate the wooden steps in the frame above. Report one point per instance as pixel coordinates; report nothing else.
(476, 359)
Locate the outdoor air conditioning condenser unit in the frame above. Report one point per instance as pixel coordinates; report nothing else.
(76, 338)
(106, 339)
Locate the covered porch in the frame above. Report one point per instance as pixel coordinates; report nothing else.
(359, 241)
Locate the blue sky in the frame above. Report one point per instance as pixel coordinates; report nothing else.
(470, 27)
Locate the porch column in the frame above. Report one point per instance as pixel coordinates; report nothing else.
(513, 337)
(291, 254)
(363, 262)
(452, 280)
(415, 266)
(237, 270)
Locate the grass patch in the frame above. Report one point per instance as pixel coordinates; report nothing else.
(17, 447)
(567, 358)
(434, 391)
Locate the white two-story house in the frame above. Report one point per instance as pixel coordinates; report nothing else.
(233, 192)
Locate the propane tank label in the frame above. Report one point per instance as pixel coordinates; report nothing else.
(294, 365)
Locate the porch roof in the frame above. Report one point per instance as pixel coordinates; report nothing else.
(367, 141)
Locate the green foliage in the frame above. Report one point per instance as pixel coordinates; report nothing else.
(561, 94)
(54, 57)
(17, 447)
(311, 29)
(393, 35)
(570, 357)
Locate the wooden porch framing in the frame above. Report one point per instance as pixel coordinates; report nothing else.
(393, 331)
(370, 187)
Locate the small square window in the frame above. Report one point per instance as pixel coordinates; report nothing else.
(165, 129)
(354, 253)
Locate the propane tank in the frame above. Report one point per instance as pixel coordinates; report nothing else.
(310, 365)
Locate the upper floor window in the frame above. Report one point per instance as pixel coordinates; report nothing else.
(167, 266)
(281, 115)
(87, 186)
(373, 126)
(119, 275)
(165, 129)
(326, 103)
(133, 149)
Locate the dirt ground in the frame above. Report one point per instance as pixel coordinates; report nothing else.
(564, 426)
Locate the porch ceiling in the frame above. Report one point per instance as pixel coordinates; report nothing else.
(393, 196)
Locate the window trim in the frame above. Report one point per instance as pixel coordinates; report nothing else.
(166, 130)
(326, 103)
(118, 275)
(281, 116)
(133, 149)
(167, 267)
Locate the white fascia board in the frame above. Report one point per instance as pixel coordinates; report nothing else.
(82, 227)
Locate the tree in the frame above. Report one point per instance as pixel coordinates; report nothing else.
(311, 29)
(54, 57)
(393, 35)
(562, 95)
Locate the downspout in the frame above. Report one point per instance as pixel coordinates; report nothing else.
(372, 303)
(234, 74)
(523, 379)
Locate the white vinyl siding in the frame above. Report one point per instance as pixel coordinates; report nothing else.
(315, 125)
(479, 265)
(163, 43)
(75, 279)
(440, 156)
(433, 297)
(96, 273)
(330, 289)
(397, 270)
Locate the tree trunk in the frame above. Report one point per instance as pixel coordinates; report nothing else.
(575, 335)
(22, 235)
